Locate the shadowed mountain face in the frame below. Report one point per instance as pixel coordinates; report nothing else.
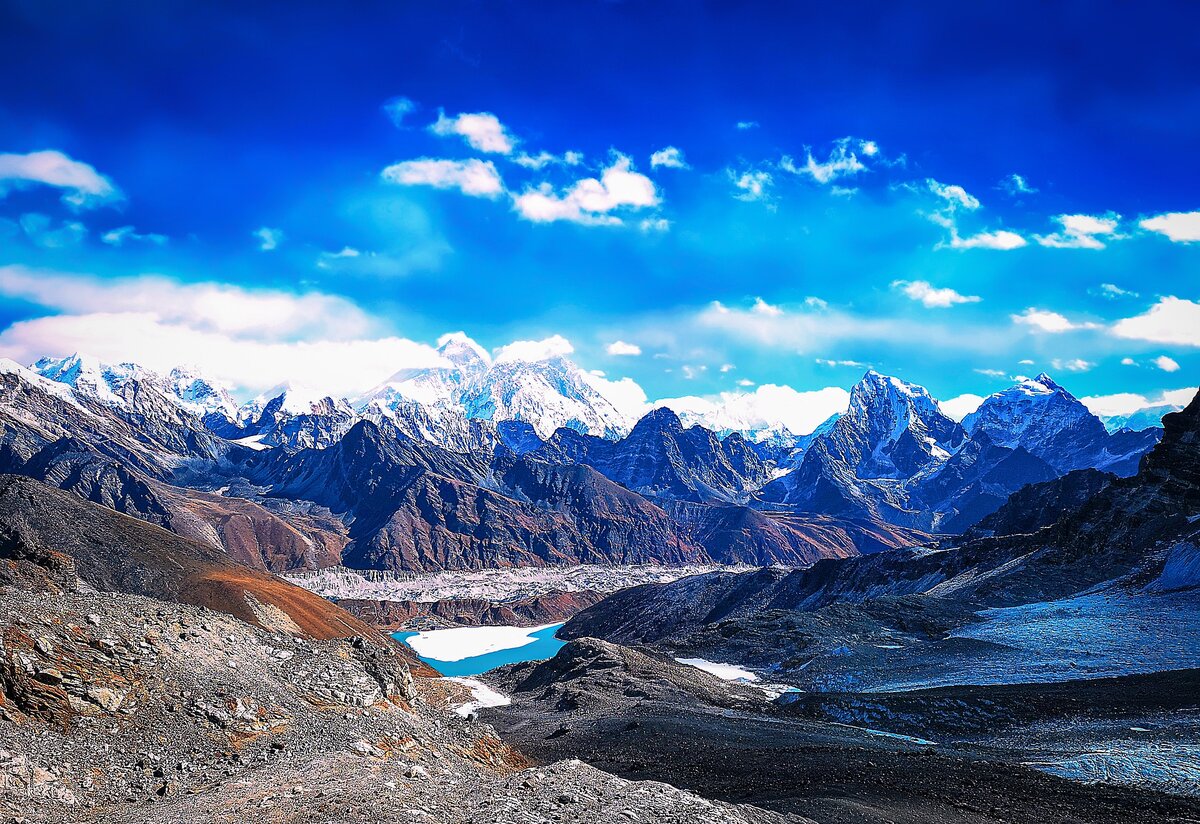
(894, 456)
(112, 552)
(662, 460)
(1140, 532)
(890, 472)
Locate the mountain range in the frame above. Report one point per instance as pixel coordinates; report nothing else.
(515, 461)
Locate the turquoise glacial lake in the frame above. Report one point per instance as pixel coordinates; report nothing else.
(543, 646)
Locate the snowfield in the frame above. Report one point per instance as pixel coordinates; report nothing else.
(726, 672)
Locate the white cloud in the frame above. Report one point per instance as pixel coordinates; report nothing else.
(930, 296)
(482, 131)
(1000, 239)
(544, 159)
(842, 161)
(815, 302)
(1166, 364)
(851, 363)
(1171, 320)
(1043, 320)
(751, 186)
(85, 187)
(1081, 232)
(958, 408)
(620, 347)
(532, 351)
(118, 236)
(1112, 291)
(252, 338)
(1180, 227)
(624, 394)
(768, 406)
(1128, 362)
(991, 373)
(745, 125)
(590, 201)
(761, 307)
(1126, 403)
(954, 195)
(1015, 185)
(655, 224)
(1025, 362)
(1073, 365)
(397, 109)
(215, 307)
(477, 178)
(668, 158)
(268, 238)
(38, 229)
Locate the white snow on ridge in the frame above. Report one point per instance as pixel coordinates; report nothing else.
(481, 696)
(726, 672)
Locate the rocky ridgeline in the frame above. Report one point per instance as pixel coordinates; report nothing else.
(120, 708)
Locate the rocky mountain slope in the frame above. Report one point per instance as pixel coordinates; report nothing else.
(1139, 532)
(896, 457)
(831, 757)
(121, 708)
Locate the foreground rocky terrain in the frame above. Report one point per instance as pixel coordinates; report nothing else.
(833, 758)
(213, 703)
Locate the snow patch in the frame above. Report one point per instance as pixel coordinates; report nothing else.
(726, 672)
(481, 696)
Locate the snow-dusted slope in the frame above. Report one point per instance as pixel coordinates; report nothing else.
(540, 387)
(1051, 423)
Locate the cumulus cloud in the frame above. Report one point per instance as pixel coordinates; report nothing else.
(842, 161)
(1000, 239)
(956, 196)
(1072, 365)
(122, 234)
(483, 131)
(533, 351)
(931, 296)
(252, 338)
(477, 178)
(42, 232)
(655, 224)
(397, 109)
(1166, 364)
(961, 406)
(761, 307)
(268, 238)
(624, 394)
(1171, 320)
(84, 187)
(1016, 184)
(767, 406)
(668, 158)
(1112, 291)
(751, 185)
(746, 125)
(1043, 320)
(1180, 227)
(620, 347)
(591, 201)
(850, 363)
(1126, 403)
(543, 159)
(1081, 232)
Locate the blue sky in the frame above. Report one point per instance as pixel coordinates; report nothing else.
(953, 195)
